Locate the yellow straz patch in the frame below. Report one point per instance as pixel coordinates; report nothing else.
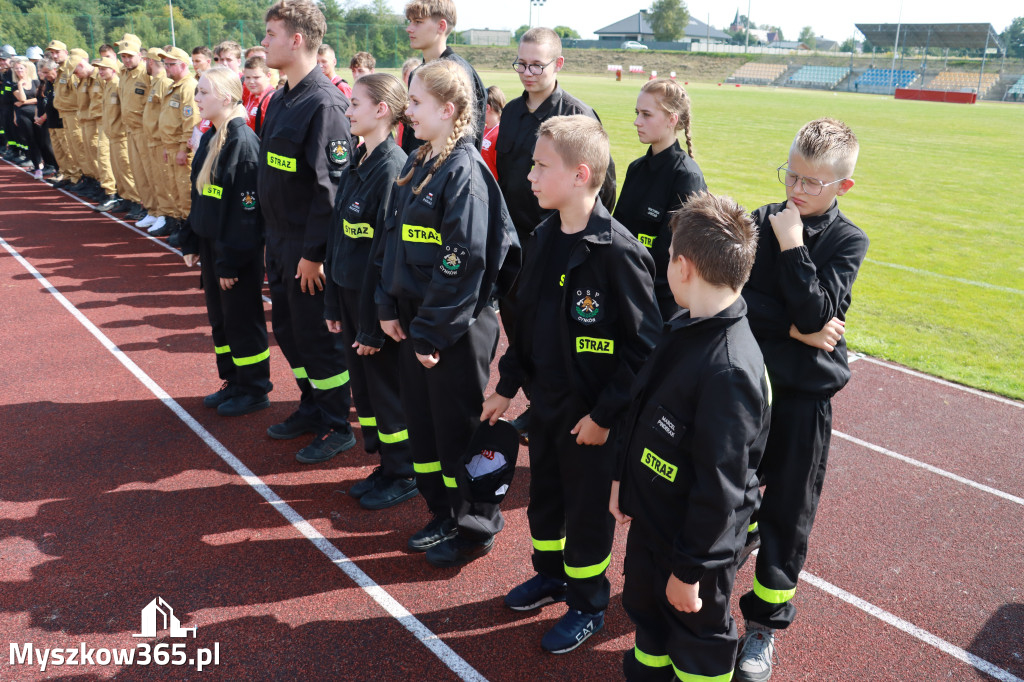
(647, 240)
(213, 191)
(358, 230)
(423, 235)
(659, 466)
(281, 162)
(586, 344)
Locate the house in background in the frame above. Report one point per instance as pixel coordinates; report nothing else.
(638, 27)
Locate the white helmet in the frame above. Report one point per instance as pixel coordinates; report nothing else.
(7, 52)
(34, 52)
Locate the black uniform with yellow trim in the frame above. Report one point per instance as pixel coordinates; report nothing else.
(7, 128)
(305, 146)
(698, 426)
(444, 255)
(351, 282)
(806, 287)
(225, 228)
(656, 185)
(607, 323)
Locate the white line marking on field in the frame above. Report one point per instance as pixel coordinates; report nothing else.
(948, 384)
(959, 280)
(131, 227)
(928, 467)
(911, 629)
(456, 663)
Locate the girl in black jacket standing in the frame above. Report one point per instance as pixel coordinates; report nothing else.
(660, 181)
(224, 233)
(378, 104)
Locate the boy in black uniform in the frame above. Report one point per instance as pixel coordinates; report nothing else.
(588, 285)
(305, 145)
(797, 297)
(430, 24)
(7, 131)
(689, 468)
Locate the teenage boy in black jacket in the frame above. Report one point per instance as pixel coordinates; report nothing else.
(688, 473)
(797, 297)
(588, 284)
(305, 146)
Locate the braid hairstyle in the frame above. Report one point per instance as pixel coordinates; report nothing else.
(446, 81)
(224, 83)
(673, 100)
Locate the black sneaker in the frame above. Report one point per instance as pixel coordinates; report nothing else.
(174, 238)
(325, 446)
(574, 628)
(434, 533)
(388, 492)
(456, 552)
(243, 403)
(226, 391)
(536, 592)
(123, 206)
(294, 426)
(136, 212)
(169, 226)
(366, 485)
(108, 204)
(48, 171)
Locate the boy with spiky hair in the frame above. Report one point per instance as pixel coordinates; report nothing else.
(587, 286)
(430, 24)
(689, 469)
(797, 297)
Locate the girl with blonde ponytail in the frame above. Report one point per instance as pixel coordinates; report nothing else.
(659, 182)
(224, 234)
(447, 250)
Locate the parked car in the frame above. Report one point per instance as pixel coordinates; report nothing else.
(633, 45)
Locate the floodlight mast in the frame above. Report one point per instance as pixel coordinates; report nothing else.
(892, 71)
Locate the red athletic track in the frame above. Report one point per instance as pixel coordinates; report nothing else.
(108, 499)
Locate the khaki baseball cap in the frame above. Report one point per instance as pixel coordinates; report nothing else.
(56, 45)
(154, 53)
(130, 44)
(176, 53)
(106, 62)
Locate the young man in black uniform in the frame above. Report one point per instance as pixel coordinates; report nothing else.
(305, 145)
(430, 23)
(688, 473)
(588, 287)
(797, 297)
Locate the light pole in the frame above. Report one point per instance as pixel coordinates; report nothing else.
(538, 3)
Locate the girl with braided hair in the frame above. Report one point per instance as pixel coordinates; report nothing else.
(447, 250)
(660, 181)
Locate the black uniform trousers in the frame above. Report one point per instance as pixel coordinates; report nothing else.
(7, 124)
(35, 139)
(671, 644)
(571, 527)
(316, 356)
(238, 322)
(442, 408)
(375, 392)
(792, 471)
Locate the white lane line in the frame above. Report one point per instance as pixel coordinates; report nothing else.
(131, 227)
(943, 382)
(911, 629)
(928, 467)
(959, 280)
(456, 663)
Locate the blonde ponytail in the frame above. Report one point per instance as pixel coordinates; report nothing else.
(225, 84)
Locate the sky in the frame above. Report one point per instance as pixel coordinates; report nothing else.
(833, 20)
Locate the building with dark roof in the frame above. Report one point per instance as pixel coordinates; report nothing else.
(638, 27)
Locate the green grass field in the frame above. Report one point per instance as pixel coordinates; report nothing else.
(940, 190)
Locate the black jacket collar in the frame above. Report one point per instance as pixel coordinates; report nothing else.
(683, 321)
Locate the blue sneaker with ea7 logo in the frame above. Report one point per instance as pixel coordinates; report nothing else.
(574, 628)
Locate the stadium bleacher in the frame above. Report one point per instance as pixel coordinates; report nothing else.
(1016, 91)
(963, 81)
(820, 76)
(886, 78)
(757, 72)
